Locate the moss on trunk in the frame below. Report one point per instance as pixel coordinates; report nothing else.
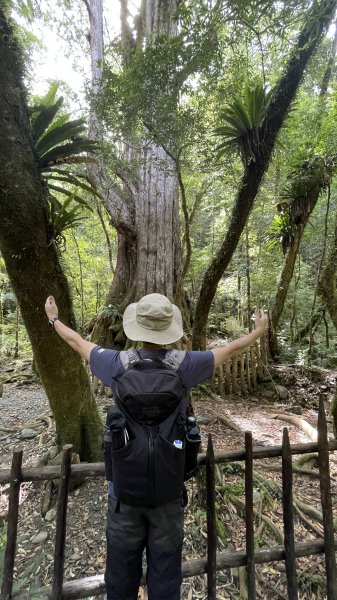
(33, 264)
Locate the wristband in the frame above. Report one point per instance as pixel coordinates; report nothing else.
(52, 321)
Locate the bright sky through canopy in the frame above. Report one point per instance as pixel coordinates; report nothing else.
(60, 60)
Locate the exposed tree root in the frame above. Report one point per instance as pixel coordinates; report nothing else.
(224, 420)
(295, 469)
(315, 528)
(277, 533)
(310, 431)
(310, 460)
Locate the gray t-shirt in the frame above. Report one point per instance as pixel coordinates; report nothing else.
(196, 367)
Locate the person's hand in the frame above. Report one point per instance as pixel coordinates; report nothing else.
(51, 308)
(261, 320)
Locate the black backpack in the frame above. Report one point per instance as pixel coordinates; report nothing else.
(145, 436)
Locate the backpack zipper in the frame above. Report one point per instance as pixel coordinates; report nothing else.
(151, 474)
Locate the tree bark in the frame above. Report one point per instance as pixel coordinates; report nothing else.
(149, 254)
(33, 263)
(327, 287)
(318, 18)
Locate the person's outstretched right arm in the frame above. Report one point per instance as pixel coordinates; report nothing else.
(71, 337)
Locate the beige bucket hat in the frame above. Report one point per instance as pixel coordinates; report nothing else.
(153, 319)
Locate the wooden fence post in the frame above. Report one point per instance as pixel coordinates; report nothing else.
(235, 375)
(211, 522)
(228, 376)
(324, 480)
(288, 517)
(249, 516)
(61, 523)
(12, 527)
(248, 371)
(220, 380)
(253, 365)
(242, 374)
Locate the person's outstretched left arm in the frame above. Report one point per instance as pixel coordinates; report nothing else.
(71, 337)
(237, 346)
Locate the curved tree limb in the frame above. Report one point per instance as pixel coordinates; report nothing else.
(318, 18)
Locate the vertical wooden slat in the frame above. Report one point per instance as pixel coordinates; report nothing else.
(324, 480)
(211, 521)
(249, 516)
(242, 373)
(249, 383)
(235, 375)
(253, 365)
(12, 527)
(228, 377)
(288, 517)
(61, 523)
(260, 369)
(263, 350)
(220, 380)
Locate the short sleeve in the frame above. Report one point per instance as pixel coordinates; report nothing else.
(105, 364)
(198, 366)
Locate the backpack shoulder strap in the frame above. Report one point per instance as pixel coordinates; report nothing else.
(128, 357)
(174, 358)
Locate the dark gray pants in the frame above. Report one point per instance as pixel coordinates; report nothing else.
(160, 531)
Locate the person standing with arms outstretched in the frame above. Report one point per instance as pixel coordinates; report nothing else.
(156, 323)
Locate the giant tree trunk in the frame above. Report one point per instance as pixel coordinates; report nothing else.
(318, 18)
(149, 255)
(33, 263)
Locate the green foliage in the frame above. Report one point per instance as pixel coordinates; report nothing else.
(66, 215)
(310, 177)
(58, 142)
(242, 119)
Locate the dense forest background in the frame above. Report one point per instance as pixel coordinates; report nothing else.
(198, 160)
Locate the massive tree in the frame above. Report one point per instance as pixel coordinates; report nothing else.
(144, 204)
(33, 262)
(261, 147)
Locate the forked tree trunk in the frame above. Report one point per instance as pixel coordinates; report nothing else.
(149, 255)
(33, 264)
(318, 18)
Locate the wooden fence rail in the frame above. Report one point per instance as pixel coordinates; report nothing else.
(214, 561)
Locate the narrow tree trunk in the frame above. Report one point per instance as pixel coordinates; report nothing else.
(327, 288)
(33, 264)
(320, 15)
(310, 202)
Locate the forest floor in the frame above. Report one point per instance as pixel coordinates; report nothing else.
(226, 419)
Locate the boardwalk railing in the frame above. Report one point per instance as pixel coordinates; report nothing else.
(288, 552)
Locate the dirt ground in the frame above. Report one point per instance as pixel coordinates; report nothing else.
(226, 419)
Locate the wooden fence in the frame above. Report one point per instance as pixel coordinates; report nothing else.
(241, 373)
(214, 561)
